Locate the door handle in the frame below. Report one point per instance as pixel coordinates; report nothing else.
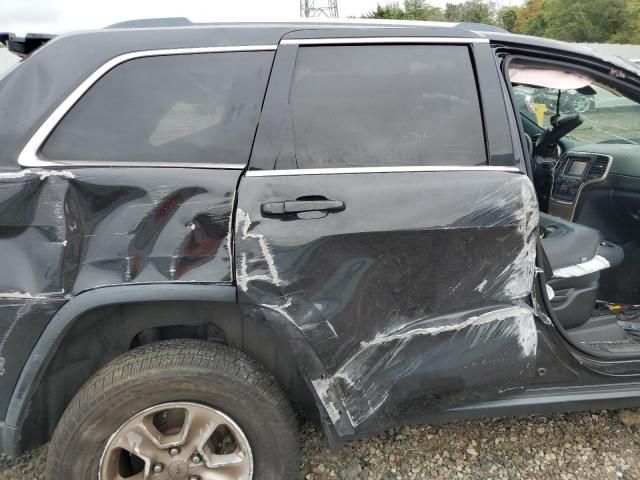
(300, 206)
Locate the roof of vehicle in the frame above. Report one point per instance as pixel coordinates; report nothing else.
(160, 33)
(185, 22)
(67, 60)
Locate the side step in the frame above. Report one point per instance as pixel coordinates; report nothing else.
(538, 401)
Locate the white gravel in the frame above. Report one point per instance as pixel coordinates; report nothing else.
(597, 445)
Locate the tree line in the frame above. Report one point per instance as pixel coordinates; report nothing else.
(613, 21)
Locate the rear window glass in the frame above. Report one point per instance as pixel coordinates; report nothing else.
(200, 108)
(359, 106)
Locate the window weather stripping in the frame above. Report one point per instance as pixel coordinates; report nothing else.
(382, 40)
(385, 169)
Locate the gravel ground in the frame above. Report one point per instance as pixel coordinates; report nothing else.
(597, 445)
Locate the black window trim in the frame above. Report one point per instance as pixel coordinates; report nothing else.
(262, 160)
(30, 155)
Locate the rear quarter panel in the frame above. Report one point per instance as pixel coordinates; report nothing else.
(63, 232)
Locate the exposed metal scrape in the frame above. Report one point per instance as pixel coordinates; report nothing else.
(29, 296)
(43, 174)
(261, 256)
(322, 388)
(494, 316)
(359, 379)
(408, 307)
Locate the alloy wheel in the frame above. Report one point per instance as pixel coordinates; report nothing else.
(177, 441)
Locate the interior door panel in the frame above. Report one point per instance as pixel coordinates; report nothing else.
(615, 211)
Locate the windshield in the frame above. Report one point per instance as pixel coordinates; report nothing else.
(608, 116)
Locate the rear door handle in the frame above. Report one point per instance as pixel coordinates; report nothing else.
(300, 206)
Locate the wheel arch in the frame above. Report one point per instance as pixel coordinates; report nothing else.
(98, 325)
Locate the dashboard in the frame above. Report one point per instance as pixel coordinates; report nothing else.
(574, 169)
(598, 185)
(587, 165)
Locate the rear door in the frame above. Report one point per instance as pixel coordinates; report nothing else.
(373, 232)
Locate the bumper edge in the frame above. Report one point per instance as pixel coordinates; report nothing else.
(9, 440)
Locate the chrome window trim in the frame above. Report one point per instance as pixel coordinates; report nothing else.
(382, 40)
(384, 169)
(352, 170)
(29, 156)
(105, 164)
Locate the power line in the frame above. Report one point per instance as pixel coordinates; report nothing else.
(321, 8)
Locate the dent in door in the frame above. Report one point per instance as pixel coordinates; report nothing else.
(66, 231)
(370, 307)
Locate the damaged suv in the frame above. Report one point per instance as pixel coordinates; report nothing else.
(208, 229)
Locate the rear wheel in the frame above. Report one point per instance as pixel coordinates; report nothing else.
(181, 409)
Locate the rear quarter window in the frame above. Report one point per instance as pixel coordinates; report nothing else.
(200, 108)
(385, 105)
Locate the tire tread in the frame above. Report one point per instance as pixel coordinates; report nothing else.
(190, 357)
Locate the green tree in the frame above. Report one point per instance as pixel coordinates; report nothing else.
(474, 11)
(421, 10)
(531, 19)
(507, 17)
(411, 10)
(452, 12)
(630, 29)
(579, 20)
(570, 20)
(391, 11)
(583, 20)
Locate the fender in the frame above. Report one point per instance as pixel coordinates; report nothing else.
(65, 318)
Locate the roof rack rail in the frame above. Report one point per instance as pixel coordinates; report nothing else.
(23, 46)
(153, 23)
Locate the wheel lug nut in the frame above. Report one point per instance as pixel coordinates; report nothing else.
(173, 451)
(196, 458)
(158, 467)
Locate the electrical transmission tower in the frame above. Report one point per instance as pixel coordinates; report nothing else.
(319, 8)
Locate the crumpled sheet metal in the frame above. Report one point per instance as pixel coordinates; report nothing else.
(400, 310)
(63, 232)
(66, 231)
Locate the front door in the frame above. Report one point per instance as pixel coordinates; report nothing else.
(393, 258)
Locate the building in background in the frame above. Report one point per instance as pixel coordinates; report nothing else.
(319, 8)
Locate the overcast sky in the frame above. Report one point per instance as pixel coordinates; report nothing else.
(57, 16)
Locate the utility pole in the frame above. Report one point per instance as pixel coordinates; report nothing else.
(319, 8)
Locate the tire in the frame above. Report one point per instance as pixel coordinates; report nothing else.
(209, 374)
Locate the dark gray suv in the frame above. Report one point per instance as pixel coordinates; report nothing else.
(208, 230)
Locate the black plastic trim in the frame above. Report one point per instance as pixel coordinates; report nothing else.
(62, 322)
(546, 400)
(8, 440)
(500, 148)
